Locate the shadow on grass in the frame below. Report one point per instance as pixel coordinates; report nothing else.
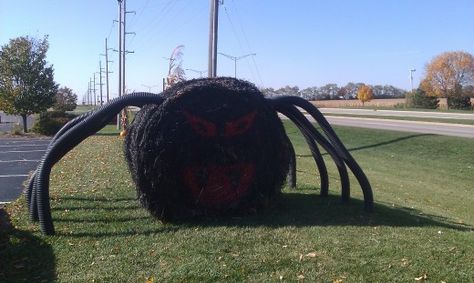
(389, 142)
(25, 257)
(295, 209)
(302, 210)
(376, 144)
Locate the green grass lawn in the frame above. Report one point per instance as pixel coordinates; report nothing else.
(422, 224)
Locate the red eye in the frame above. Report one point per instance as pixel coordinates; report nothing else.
(240, 125)
(200, 126)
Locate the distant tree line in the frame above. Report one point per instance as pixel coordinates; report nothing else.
(335, 92)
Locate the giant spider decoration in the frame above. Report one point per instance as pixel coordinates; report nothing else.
(204, 147)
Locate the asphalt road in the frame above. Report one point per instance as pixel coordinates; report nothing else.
(398, 113)
(18, 157)
(445, 129)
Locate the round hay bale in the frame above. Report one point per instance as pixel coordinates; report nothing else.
(213, 147)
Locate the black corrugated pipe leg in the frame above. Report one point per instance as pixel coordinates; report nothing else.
(69, 139)
(339, 146)
(292, 168)
(311, 135)
(31, 189)
(323, 173)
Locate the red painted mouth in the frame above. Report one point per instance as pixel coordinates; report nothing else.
(219, 184)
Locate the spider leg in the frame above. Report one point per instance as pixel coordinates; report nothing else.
(339, 146)
(31, 189)
(311, 134)
(72, 137)
(292, 169)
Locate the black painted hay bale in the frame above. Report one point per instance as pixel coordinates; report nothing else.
(214, 147)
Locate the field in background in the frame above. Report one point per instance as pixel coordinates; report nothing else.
(374, 103)
(422, 226)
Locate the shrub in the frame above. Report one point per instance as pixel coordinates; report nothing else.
(50, 122)
(419, 99)
(400, 106)
(460, 102)
(16, 130)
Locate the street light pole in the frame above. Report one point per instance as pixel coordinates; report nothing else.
(235, 60)
(197, 71)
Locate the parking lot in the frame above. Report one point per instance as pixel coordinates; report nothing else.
(18, 157)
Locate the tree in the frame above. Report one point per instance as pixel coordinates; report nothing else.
(329, 91)
(419, 99)
(447, 70)
(26, 82)
(66, 100)
(364, 94)
(288, 90)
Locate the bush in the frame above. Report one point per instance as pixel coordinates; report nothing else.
(16, 130)
(419, 99)
(460, 102)
(50, 122)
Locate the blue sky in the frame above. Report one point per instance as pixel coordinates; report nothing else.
(304, 43)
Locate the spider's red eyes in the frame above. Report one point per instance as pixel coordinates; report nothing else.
(208, 129)
(200, 126)
(240, 125)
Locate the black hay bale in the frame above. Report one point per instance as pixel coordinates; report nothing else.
(214, 147)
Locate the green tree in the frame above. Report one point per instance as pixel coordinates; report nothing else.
(419, 99)
(26, 81)
(66, 100)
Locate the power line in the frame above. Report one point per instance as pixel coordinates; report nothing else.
(239, 21)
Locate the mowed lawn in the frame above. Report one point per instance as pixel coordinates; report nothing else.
(421, 228)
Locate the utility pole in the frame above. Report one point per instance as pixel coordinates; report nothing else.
(100, 83)
(107, 72)
(125, 51)
(120, 48)
(95, 95)
(88, 92)
(235, 60)
(213, 32)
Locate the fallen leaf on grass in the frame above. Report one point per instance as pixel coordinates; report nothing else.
(311, 254)
(150, 279)
(337, 281)
(422, 278)
(300, 277)
(404, 262)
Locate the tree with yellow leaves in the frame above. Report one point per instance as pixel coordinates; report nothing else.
(365, 94)
(446, 71)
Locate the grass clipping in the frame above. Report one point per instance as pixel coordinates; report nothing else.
(213, 147)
